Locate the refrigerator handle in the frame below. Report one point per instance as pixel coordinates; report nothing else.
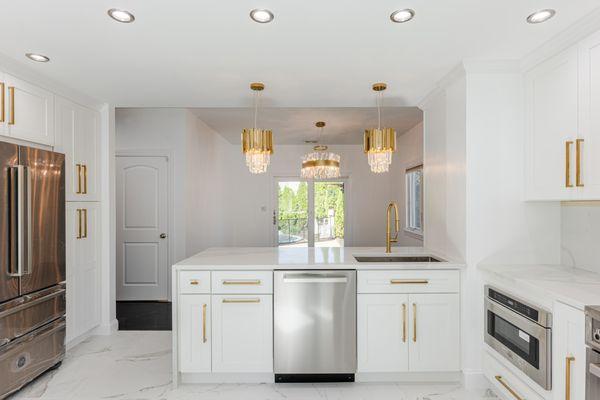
(20, 215)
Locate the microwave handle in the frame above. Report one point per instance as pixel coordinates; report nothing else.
(595, 370)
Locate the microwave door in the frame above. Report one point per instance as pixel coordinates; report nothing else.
(9, 279)
(42, 241)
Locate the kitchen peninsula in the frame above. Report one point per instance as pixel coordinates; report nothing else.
(238, 311)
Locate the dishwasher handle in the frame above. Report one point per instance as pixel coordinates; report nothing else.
(314, 278)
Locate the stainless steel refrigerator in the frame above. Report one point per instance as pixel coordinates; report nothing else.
(32, 263)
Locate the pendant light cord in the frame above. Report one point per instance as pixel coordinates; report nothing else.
(256, 94)
(379, 100)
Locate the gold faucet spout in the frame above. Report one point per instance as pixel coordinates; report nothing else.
(389, 239)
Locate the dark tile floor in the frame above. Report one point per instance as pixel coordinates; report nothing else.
(144, 316)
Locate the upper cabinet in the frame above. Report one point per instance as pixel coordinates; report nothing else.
(78, 136)
(562, 97)
(26, 111)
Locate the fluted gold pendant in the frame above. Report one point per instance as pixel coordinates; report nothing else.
(257, 145)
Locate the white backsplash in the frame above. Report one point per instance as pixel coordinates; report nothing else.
(581, 235)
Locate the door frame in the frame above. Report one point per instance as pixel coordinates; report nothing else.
(168, 154)
(345, 179)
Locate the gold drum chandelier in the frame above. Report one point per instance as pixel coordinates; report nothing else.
(320, 164)
(257, 144)
(380, 143)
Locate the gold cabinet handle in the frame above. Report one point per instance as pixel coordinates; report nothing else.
(510, 390)
(11, 96)
(415, 322)
(194, 282)
(2, 112)
(85, 222)
(85, 176)
(78, 178)
(578, 181)
(257, 300)
(569, 361)
(409, 281)
(204, 323)
(242, 282)
(404, 322)
(568, 145)
(79, 235)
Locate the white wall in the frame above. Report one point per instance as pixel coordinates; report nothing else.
(580, 231)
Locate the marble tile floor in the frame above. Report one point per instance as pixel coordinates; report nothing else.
(137, 366)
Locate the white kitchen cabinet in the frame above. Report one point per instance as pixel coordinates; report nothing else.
(78, 136)
(242, 330)
(195, 337)
(552, 95)
(434, 332)
(83, 246)
(382, 332)
(569, 353)
(28, 111)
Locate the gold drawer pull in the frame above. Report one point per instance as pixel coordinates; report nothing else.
(241, 300)
(415, 322)
(11, 95)
(569, 361)
(510, 390)
(404, 322)
(578, 181)
(409, 281)
(194, 282)
(85, 176)
(203, 323)
(242, 282)
(78, 178)
(568, 145)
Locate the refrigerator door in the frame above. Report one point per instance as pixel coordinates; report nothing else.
(9, 281)
(43, 248)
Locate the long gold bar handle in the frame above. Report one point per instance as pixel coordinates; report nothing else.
(568, 145)
(85, 176)
(510, 390)
(242, 282)
(409, 281)
(578, 181)
(85, 222)
(203, 323)
(2, 112)
(415, 322)
(404, 322)
(11, 95)
(241, 300)
(79, 223)
(569, 361)
(78, 178)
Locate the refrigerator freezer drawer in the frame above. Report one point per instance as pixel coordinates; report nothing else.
(27, 357)
(27, 313)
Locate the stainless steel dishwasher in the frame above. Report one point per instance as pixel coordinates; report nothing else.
(315, 326)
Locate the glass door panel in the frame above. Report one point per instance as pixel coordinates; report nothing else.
(292, 214)
(329, 213)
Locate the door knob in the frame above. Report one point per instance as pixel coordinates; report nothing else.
(163, 235)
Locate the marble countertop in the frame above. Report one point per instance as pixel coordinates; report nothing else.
(240, 258)
(575, 287)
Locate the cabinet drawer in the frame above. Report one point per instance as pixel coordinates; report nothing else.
(408, 281)
(505, 383)
(242, 282)
(191, 282)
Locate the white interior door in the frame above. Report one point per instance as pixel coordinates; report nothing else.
(142, 227)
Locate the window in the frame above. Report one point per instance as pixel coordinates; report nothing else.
(414, 200)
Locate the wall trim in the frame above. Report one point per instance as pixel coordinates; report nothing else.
(107, 329)
(455, 74)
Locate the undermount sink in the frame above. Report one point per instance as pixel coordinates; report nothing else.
(397, 259)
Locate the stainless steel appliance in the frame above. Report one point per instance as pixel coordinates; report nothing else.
(315, 326)
(592, 339)
(32, 264)
(521, 333)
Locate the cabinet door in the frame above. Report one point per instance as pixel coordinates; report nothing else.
(382, 332)
(569, 352)
(194, 333)
(3, 105)
(434, 323)
(589, 149)
(552, 121)
(242, 333)
(77, 135)
(30, 113)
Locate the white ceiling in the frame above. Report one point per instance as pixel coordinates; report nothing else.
(203, 53)
(295, 125)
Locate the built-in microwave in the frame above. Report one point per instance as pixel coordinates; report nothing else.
(521, 333)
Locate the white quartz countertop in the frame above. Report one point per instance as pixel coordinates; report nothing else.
(575, 287)
(261, 258)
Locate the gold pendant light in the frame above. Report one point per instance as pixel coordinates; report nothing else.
(320, 164)
(257, 144)
(380, 143)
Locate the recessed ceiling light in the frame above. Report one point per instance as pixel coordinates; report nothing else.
(37, 57)
(261, 16)
(400, 16)
(541, 16)
(121, 15)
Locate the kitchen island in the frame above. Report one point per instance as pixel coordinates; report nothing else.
(223, 313)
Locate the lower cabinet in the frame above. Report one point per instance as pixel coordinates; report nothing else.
(569, 353)
(242, 333)
(408, 332)
(195, 338)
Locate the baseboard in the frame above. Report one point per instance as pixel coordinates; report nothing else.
(107, 329)
(75, 341)
(474, 380)
(227, 377)
(409, 377)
